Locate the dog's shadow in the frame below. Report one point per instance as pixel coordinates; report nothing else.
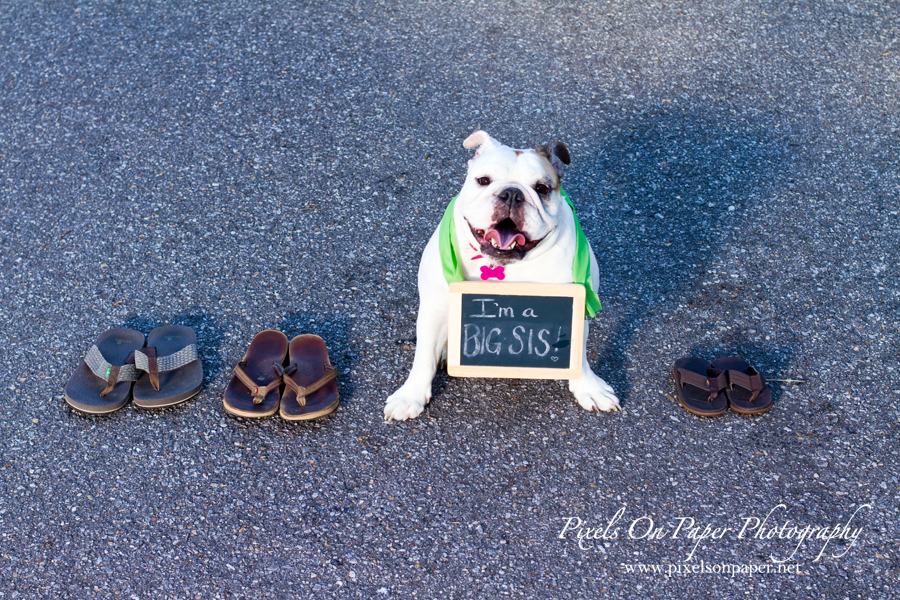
(658, 201)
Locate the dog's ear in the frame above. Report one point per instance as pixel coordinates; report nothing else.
(480, 140)
(557, 154)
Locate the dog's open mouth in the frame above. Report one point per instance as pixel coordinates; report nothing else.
(503, 239)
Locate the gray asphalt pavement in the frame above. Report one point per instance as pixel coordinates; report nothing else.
(238, 166)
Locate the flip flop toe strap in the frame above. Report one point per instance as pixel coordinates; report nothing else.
(715, 381)
(751, 381)
(110, 373)
(146, 359)
(304, 390)
(259, 393)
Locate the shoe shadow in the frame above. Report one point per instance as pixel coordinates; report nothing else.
(210, 337)
(658, 199)
(335, 330)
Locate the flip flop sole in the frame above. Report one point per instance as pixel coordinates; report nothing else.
(255, 414)
(267, 347)
(753, 411)
(178, 385)
(308, 416)
(121, 394)
(310, 354)
(169, 401)
(83, 388)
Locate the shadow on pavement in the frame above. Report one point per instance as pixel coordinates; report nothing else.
(672, 191)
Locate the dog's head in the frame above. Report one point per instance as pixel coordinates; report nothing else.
(511, 198)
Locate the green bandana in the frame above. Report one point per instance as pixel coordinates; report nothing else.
(581, 266)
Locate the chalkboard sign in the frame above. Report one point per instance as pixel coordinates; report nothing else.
(519, 330)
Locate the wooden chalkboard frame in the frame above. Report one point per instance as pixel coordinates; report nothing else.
(500, 289)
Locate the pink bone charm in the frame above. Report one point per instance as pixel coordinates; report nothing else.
(495, 272)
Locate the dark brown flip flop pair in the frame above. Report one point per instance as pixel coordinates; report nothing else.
(310, 386)
(166, 372)
(709, 389)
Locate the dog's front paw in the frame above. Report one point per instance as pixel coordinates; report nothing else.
(405, 403)
(592, 393)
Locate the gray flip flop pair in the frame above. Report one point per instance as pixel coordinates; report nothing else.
(166, 372)
(709, 389)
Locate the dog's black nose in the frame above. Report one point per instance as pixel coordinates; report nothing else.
(511, 196)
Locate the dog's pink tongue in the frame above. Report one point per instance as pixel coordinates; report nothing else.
(504, 239)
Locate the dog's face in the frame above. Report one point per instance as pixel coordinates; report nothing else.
(511, 198)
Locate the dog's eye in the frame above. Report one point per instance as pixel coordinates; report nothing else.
(484, 180)
(541, 189)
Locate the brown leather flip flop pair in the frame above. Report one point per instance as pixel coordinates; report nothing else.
(310, 386)
(709, 389)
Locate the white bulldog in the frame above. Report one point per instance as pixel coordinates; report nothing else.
(510, 213)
